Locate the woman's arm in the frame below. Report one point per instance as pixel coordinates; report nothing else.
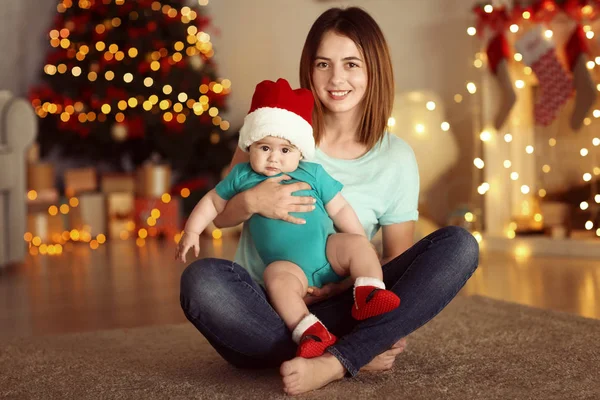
(396, 239)
(270, 199)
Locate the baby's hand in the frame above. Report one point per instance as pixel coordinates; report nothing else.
(188, 240)
(315, 294)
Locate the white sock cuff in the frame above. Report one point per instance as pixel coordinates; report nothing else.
(367, 281)
(302, 326)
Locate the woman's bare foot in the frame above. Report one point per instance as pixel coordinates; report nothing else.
(305, 374)
(385, 360)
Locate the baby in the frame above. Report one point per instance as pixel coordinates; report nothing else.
(277, 133)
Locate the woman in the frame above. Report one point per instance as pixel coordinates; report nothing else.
(346, 64)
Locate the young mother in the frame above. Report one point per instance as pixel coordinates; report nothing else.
(346, 63)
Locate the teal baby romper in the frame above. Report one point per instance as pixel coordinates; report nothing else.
(277, 240)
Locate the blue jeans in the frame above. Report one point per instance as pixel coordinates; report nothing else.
(233, 312)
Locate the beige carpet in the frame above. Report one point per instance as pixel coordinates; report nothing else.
(476, 349)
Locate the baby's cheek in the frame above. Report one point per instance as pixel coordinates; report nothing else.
(296, 160)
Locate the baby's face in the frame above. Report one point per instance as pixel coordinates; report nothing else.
(271, 156)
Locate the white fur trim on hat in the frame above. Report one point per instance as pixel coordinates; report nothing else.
(302, 326)
(278, 122)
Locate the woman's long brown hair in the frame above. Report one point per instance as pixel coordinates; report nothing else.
(361, 28)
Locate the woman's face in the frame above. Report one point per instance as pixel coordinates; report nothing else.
(340, 75)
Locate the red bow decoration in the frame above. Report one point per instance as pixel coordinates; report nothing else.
(97, 37)
(581, 9)
(56, 56)
(497, 50)
(95, 102)
(544, 11)
(114, 93)
(165, 66)
(143, 67)
(576, 45)
(44, 92)
(516, 14)
(135, 33)
(497, 20)
(202, 22)
(136, 128)
(541, 11)
(173, 126)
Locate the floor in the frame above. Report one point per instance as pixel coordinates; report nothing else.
(121, 285)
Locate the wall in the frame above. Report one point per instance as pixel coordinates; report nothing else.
(24, 25)
(262, 39)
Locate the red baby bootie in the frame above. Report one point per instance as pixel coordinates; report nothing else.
(312, 337)
(371, 298)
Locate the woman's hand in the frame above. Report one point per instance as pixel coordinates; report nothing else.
(315, 294)
(188, 240)
(274, 200)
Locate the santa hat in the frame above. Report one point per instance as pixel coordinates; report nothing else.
(279, 111)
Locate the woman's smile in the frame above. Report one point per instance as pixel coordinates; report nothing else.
(338, 95)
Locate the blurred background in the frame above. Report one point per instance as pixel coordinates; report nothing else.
(116, 116)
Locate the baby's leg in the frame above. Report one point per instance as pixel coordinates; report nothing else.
(354, 255)
(286, 286)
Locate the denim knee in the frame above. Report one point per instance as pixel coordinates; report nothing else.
(465, 244)
(203, 280)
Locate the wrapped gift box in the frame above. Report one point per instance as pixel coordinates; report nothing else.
(44, 199)
(80, 180)
(120, 205)
(120, 211)
(45, 196)
(47, 227)
(117, 183)
(91, 212)
(153, 180)
(40, 176)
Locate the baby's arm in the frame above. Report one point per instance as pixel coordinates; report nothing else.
(343, 216)
(203, 214)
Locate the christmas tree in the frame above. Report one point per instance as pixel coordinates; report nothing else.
(128, 79)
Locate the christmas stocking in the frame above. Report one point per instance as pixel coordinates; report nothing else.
(585, 90)
(371, 298)
(555, 85)
(497, 54)
(312, 337)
